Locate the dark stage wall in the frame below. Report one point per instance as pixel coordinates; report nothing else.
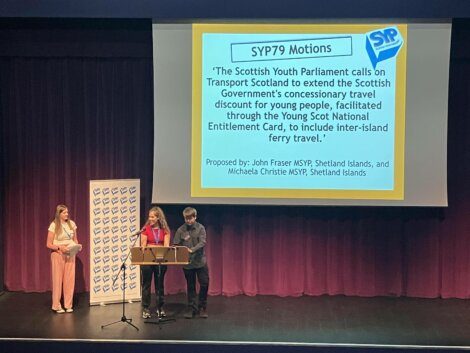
(247, 9)
(76, 103)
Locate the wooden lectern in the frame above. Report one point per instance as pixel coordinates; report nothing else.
(160, 255)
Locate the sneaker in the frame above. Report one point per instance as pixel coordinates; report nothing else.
(146, 313)
(69, 310)
(60, 311)
(203, 313)
(161, 312)
(190, 314)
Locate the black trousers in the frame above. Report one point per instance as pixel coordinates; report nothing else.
(202, 275)
(158, 274)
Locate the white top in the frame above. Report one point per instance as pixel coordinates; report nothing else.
(67, 234)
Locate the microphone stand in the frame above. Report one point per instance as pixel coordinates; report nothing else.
(123, 268)
(160, 319)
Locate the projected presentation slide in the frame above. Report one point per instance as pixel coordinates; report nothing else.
(298, 111)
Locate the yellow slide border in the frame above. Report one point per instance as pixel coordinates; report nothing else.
(196, 147)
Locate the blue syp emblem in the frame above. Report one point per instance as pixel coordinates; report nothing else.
(383, 44)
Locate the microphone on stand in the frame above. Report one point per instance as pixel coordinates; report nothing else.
(139, 232)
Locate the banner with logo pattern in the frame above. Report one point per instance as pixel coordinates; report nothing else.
(114, 217)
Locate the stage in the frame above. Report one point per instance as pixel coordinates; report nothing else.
(239, 324)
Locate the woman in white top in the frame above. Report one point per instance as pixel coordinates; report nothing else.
(62, 233)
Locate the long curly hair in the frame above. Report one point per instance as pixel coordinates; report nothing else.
(162, 223)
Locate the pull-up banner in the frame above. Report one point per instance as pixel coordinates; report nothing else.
(114, 217)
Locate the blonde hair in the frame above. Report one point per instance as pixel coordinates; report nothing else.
(58, 224)
(162, 223)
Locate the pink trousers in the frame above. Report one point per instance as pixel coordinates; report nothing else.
(63, 277)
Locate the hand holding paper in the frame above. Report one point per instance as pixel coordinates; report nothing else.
(73, 248)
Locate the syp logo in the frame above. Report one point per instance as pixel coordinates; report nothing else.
(383, 44)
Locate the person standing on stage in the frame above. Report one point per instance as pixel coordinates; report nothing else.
(61, 233)
(193, 235)
(156, 233)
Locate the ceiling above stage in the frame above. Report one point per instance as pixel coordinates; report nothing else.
(240, 9)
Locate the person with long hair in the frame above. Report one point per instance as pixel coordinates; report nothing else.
(156, 233)
(61, 233)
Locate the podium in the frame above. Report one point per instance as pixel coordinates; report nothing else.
(160, 255)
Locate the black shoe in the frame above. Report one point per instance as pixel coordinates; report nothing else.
(203, 313)
(190, 314)
(161, 312)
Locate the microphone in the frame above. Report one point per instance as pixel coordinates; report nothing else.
(139, 232)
